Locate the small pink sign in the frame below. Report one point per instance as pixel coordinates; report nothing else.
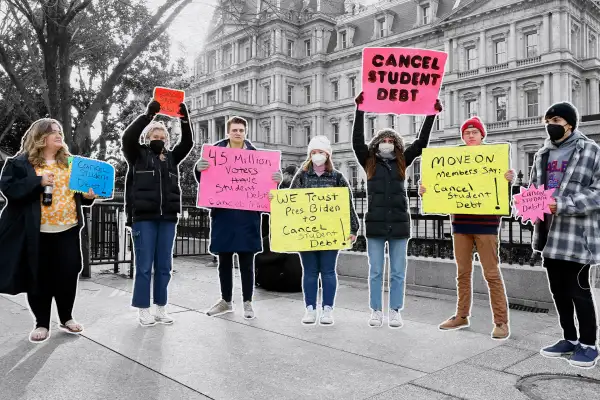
(532, 203)
(238, 179)
(401, 80)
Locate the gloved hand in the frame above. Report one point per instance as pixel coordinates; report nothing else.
(277, 177)
(202, 165)
(153, 108)
(183, 111)
(438, 106)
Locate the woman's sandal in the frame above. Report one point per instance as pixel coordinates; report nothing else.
(39, 335)
(71, 327)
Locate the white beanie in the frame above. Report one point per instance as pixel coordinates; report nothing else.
(320, 143)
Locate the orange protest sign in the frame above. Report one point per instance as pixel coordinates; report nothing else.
(169, 100)
(401, 80)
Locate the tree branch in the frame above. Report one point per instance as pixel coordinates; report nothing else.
(73, 10)
(19, 85)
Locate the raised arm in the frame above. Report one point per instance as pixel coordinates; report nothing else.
(130, 144)
(186, 142)
(361, 150)
(16, 185)
(416, 148)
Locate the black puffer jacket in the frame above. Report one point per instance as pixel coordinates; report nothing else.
(152, 186)
(388, 215)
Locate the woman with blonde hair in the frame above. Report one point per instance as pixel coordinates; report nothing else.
(153, 205)
(40, 244)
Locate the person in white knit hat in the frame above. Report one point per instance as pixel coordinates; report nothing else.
(318, 172)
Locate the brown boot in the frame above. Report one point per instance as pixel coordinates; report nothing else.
(500, 331)
(454, 323)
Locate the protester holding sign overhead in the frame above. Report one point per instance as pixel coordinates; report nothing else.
(153, 202)
(569, 238)
(318, 172)
(385, 160)
(234, 231)
(481, 231)
(40, 246)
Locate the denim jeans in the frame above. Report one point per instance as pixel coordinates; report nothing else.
(314, 263)
(376, 252)
(153, 244)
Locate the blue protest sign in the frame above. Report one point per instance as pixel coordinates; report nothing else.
(87, 173)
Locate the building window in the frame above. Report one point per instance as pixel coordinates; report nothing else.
(290, 48)
(245, 50)
(267, 134)
(531, 97)
(381, 27)
(290, 94)
(500, 51)
(267, 94)
(245, 93)
(371, 127)
(267, 47)
(353, 169)
(416, 172)
(307, 134)
(593, 50)
(575, 41)
(426, 14)
(417, 122)
(471, 58)
(212, 99)
(290, 137)
(227, 94)
(530, 160)
(471, 107)
(392, 121)
(500, 104)
(439, 122)
(343, 37)
(531, 45)
(336, 132)
(307, 48)
(307, 93)
(227, 56)
(212, 61)
(336, 90)
(352, 82)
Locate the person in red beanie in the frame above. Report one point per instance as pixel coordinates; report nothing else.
(481, 231)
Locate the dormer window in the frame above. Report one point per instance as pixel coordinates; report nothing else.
(383, 24)
(426, 12)
(344, 39)
(381, 27)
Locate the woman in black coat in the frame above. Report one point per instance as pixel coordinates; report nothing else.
(40, 245)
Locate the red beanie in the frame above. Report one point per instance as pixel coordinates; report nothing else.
(473, 122)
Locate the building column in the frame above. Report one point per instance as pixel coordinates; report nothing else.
(594, 96)
(213, 130)
(319, 128)
(483, 105)
(254, 91)
(234, 49)
(254, 132)
(556, 92)
(565, 31)
(512, 45)
(277, 44)
(482, 53)
(449, 109)
(566, 88)
(455, 56)
(513, 105)
(448, 50)
(455, 107)
(319, 91)
(277, 134)
(546, 33)
(514, 156)
(546, 92)
(254, 39)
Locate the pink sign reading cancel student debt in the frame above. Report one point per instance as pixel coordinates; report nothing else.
(532, 203)
(401, 80)
(236, 178)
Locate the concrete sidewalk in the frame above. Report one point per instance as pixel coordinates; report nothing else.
(274, 356)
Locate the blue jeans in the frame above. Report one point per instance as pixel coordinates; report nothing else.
(153, 244)
(376, 252)
(313, 263)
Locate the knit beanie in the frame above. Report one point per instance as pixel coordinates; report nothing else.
(473, 122)
(320, 143)
(565, 110)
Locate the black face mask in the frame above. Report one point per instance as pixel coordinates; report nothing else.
(555, 131)
(157, 146)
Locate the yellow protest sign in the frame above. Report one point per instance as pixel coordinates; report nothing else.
(310, 219)
(466, 180)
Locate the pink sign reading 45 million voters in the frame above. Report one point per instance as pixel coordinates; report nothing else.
(401, 80)
(238, 179)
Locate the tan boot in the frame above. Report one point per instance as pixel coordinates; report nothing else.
(454, 323)
(500, 332)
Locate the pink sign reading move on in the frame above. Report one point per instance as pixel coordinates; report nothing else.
(237, 178)
(401, 80)
(532, 203)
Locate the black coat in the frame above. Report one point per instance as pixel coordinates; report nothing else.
(20, 226)
(388, 214)
(152, 186)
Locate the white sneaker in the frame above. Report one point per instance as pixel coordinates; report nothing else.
(376, 319)
(311, 316)
(248, 311)
(145, 318)
(326, 317)
(395, 319)
(221, 307)
(162, 317)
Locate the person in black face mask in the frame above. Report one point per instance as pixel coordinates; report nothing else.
(569, 238)
(152, 204)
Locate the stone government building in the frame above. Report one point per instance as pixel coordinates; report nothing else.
(292, 69)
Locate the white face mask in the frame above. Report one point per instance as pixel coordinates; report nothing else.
(386, 147)
(318, 159)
